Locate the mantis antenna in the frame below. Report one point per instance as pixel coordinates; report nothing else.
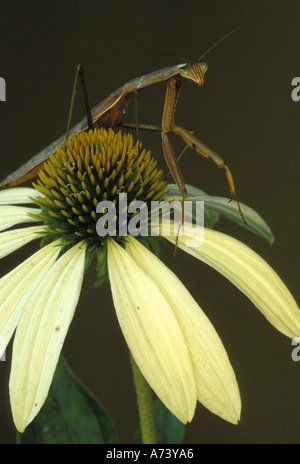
(237, 28)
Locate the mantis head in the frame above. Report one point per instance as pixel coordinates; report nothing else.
(195, 72)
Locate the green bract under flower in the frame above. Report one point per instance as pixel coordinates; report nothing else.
(95, 166)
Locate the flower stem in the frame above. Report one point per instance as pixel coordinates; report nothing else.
(145, 406)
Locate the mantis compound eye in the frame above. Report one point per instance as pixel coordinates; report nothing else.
(204, 66)
(185, 72)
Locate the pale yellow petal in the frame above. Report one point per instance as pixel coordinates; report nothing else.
(216, 382)
(17, 286)
(251, 274)
(12, 215)
(152, 333)
(41, 333)
(12, 240)
(18, 195)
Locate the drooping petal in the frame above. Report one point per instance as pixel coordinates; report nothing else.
(251, 274)
(12, 215)
(18, 195)
(152, 333)
(17, 286)
(12, 240)
(216, 382)
(41, 333)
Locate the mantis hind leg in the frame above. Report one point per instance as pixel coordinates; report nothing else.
(206, 153)
(174, 169)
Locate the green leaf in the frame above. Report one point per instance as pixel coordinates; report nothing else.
(255, 223)
(169, 430)
(229, 210)
(211, 217)
(70, 415)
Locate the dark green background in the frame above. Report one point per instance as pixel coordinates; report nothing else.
(244, 112)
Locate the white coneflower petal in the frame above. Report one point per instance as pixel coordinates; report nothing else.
(14, 239)
(12, 215)
(215, 379)
(251, 274)
(41, 333)
(17, 286)
(152, 333)
(18, 195)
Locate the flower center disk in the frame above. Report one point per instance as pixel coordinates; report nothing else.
(95, 166)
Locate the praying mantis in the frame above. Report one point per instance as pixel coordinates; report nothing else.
(114, 107)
